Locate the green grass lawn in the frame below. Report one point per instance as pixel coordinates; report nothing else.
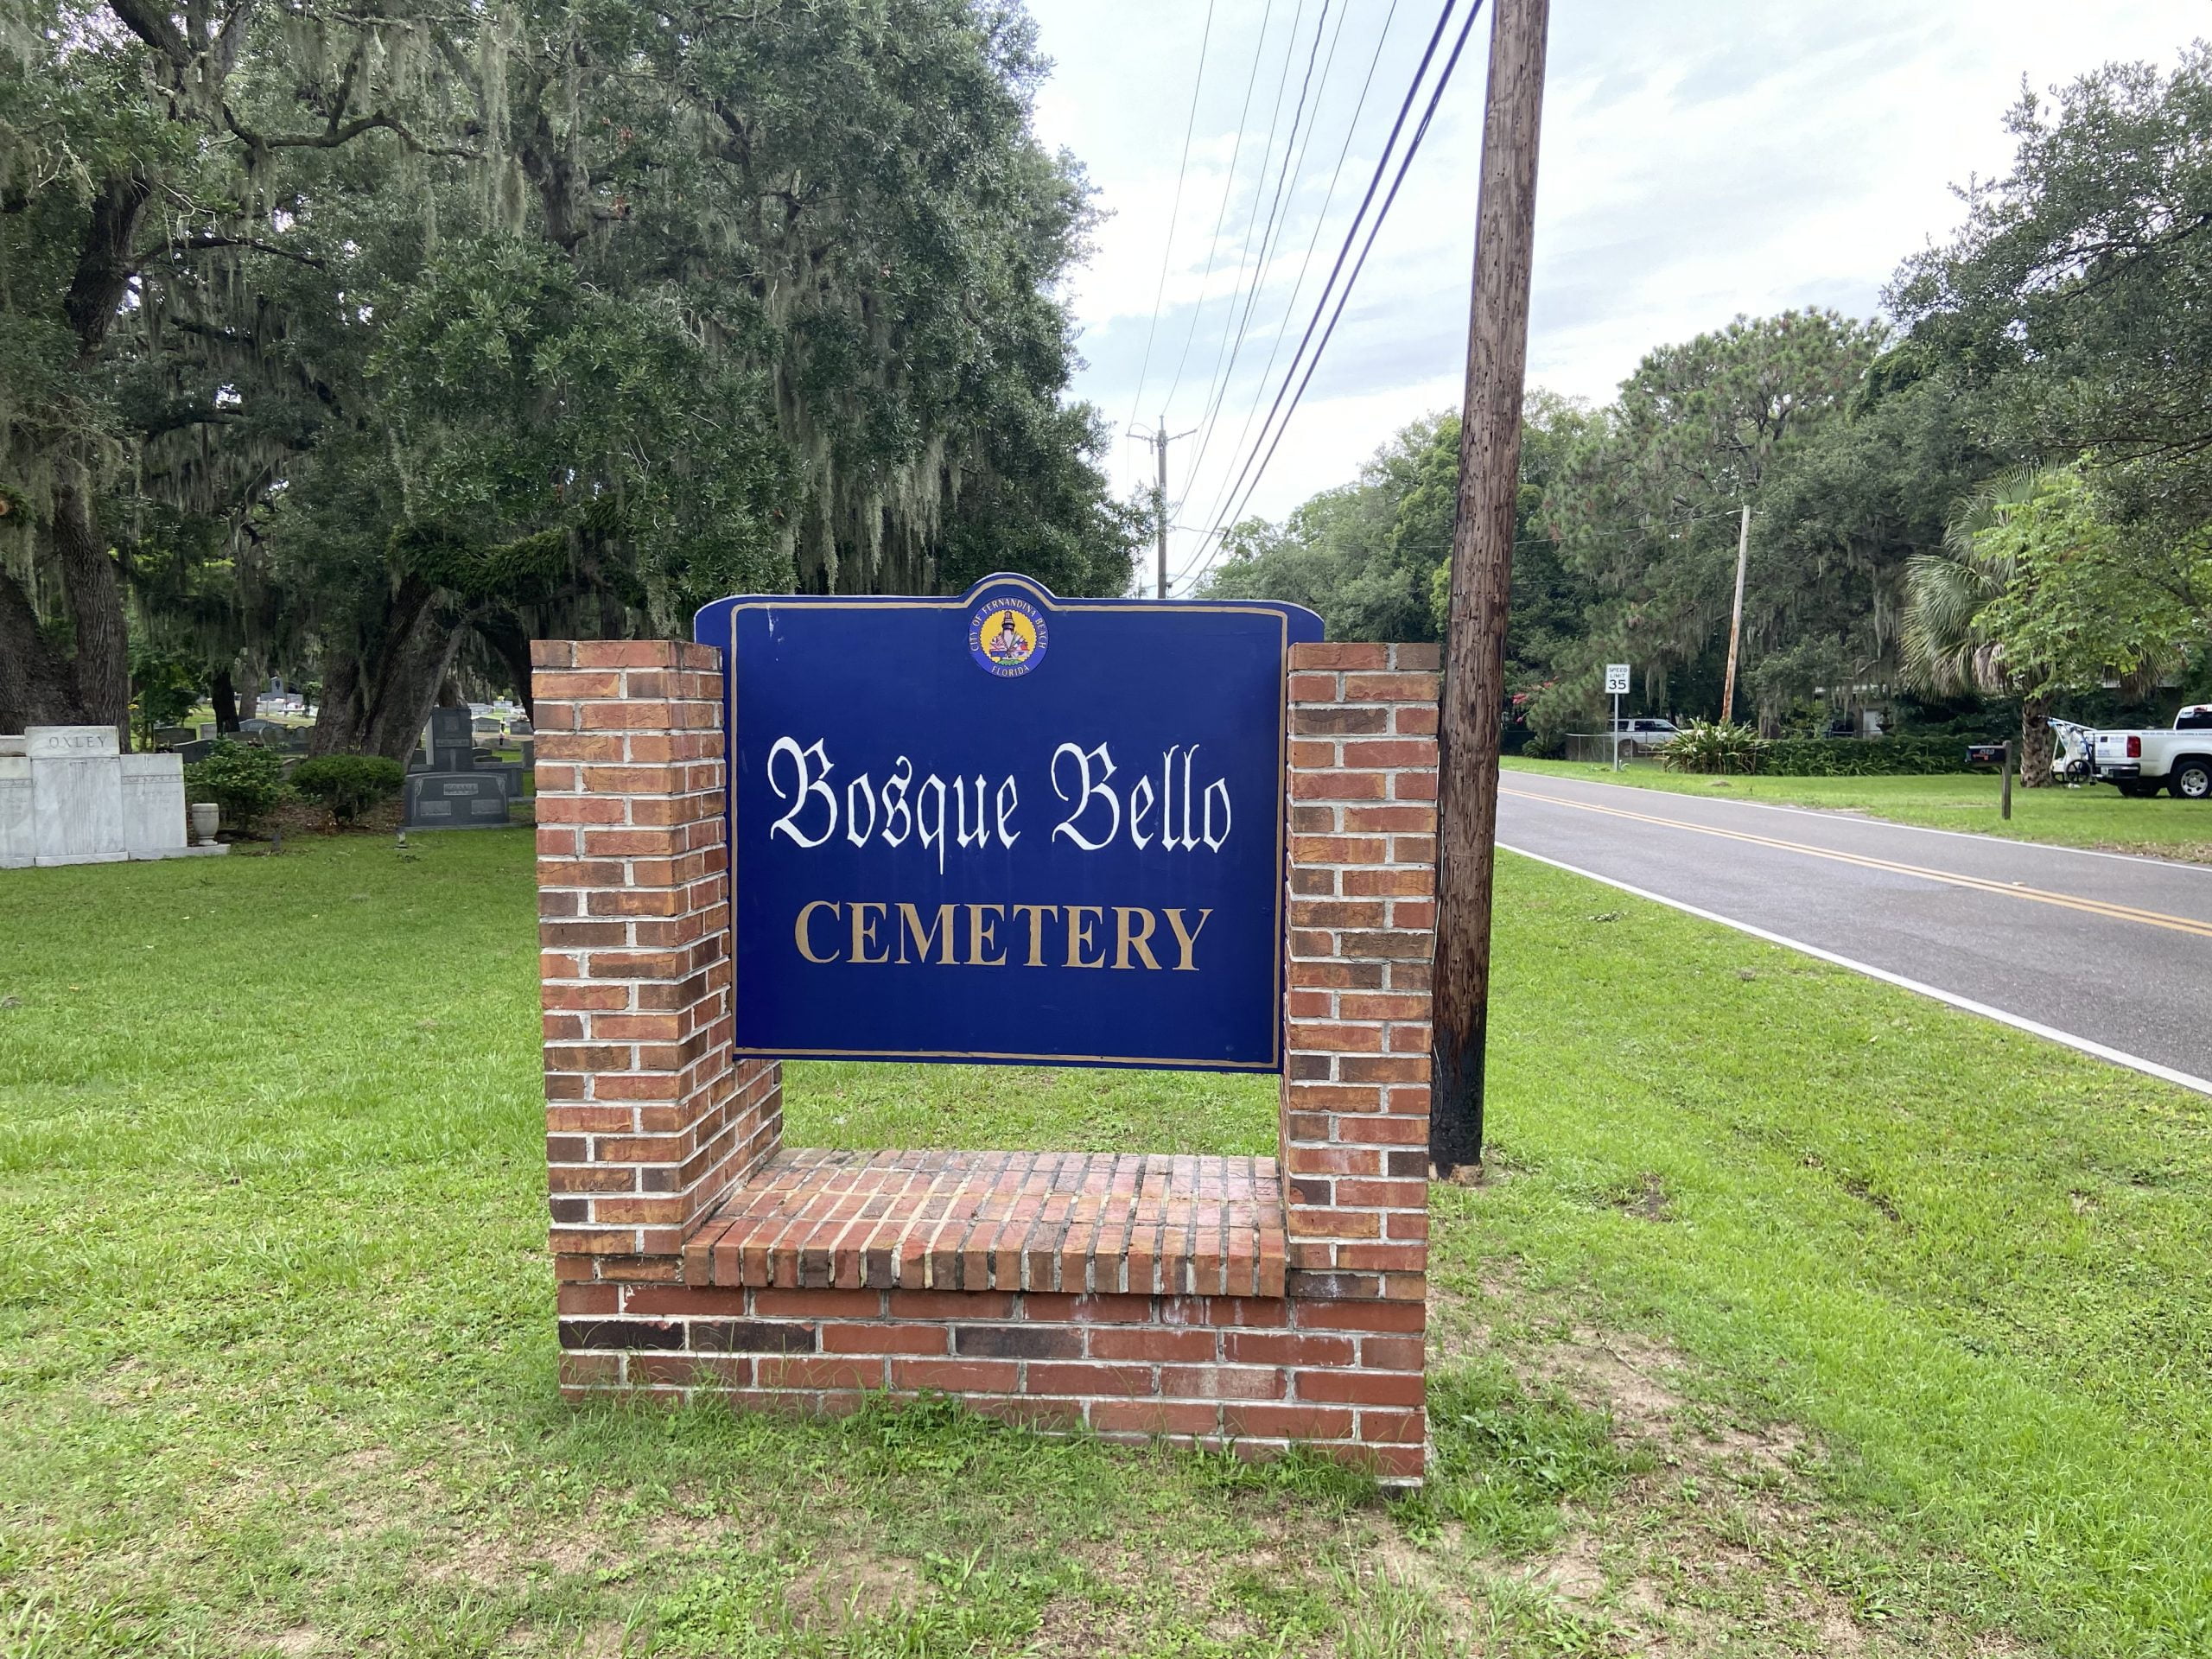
(2095, 817)
(1793, 1315)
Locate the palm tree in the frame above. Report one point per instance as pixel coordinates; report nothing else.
(1945, 650)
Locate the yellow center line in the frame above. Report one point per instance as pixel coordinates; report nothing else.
(1950, 878)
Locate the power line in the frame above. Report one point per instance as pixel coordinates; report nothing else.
(1351, 234)
(1174, 210)
(1320, 223)
(1228, 191)
(1413, 148)
(1293, 158)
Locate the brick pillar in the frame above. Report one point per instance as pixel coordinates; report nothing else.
(649, 1121)
(1363, 916)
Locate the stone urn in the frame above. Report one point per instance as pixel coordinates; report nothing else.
(205, 815)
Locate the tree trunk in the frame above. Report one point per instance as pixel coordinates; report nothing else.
(376, 703)
(507, 637)
(2035, 743)
(223, 697)
(36, 687)
(102, 668)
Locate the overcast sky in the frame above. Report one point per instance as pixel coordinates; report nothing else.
(1702, 159)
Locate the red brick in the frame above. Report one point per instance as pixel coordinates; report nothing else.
(1152, 1343)
(1287, 1422)
(889, 1338)
(1221, 1382)
(1259, 1313)
(1316, 656)
(1045, 1414)
(1288, 1348)
(1360, 1388)
(817, 1303)
(1395, 1462)
(951, 1304)
(626, 653)
(1361, 1316)
(1384, 1195)
(1045, 1377)
(1393, 753)
(1317, 1220)
(1314, 1037)
(1393, 1353)
(1154, 1417)
(957, 1375)
(802, 1371)
(1408, 1427)
(558, 685)
(1391, 688)
(1104, 1307)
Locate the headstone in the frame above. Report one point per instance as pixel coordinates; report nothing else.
(452, 739)
(153, 806)
(456, 791)
(76, 794)
(167, 737)
(17, 847)
(198, 750)
(69, 795)
(457, 800)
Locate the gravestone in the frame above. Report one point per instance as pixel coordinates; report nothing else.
(69, 795)
(454, 793)
(76, 794)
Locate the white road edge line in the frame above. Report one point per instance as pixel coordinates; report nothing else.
(2034, 1028)
(1834, 815)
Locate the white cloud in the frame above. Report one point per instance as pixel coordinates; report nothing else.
(1701, 160)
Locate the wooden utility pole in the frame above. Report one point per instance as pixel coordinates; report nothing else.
(1482, 578)
(1735, 617)
(1159, 504)
(1160, 438)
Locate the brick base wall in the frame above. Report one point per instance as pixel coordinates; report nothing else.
(663, 1150)
(1257, 1374)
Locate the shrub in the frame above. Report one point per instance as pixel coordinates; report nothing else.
(1863, 757)
(1716, 745)
(349, 785)
(243, 780)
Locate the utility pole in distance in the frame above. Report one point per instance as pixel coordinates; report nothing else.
(1159, 530)
(1482, 578)
(1735, 617)
(1158, 438)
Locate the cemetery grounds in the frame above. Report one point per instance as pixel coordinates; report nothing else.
(1793, 1315)
(2095, 817)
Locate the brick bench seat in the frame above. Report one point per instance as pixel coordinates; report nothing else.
(1086, 1222)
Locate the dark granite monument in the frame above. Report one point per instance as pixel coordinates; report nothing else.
(454, 792)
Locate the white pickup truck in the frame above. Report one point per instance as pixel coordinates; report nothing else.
(2141, 763)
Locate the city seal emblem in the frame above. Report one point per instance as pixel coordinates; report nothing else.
(1007, 638)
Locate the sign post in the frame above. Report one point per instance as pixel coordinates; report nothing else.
(1616, 686)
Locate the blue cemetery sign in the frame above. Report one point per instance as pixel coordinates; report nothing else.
(1007, 827)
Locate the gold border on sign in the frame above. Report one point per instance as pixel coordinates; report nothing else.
(1050, 602)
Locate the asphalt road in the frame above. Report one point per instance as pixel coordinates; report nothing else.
(2110, 954)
